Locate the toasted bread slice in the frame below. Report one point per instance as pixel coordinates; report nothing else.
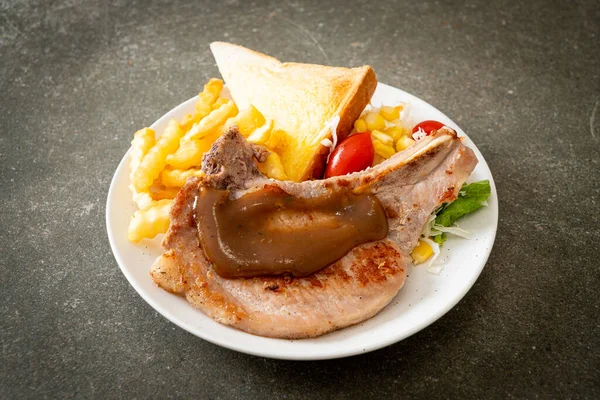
(301, 99)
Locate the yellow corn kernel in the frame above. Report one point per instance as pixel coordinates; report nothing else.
(422, 252)
(360, 125)
(374, 121)
(404, 143)
(395, 132)
(390, 113)
(383, 150)
(382, 137)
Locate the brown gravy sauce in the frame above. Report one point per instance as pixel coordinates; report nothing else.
(269, 232)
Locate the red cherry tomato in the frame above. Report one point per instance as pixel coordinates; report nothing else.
(354, 154)
(428, 126)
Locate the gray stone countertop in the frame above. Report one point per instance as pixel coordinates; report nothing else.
(77, 78)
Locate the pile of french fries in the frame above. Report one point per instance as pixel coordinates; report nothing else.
(159, 167)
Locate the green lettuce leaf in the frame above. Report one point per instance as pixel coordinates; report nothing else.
(470, 198)
(439, 239)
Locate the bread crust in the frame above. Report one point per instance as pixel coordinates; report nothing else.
(300, 98)
(356, 101)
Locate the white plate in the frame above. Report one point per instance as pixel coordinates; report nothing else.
(423, 299)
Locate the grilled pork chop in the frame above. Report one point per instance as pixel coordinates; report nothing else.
(410, 186)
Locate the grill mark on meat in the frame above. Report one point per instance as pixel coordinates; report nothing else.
(371, 258)
(409, 185)
(273, 286)
(314, 281)
(448, 195)
(391, 212)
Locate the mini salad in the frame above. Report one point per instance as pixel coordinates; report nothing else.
(377, 135)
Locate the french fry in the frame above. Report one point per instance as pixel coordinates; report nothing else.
(167, 193)
(208, 96)
(156, 159)
(277, 140)
(220, 101)
(142, 142)
(273, 168)
(188, 121)
(247, 121)
(150, 222)
(190, 153)
(261, 135)
(211, 122)
(175, 178)
(158, 191)
(207, 100)
(142, 199)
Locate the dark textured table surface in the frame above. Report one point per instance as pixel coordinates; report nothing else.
(77, 78)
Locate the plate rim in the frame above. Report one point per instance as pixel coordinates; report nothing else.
(371, 346)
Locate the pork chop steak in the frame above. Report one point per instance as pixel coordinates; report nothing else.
(410, 186)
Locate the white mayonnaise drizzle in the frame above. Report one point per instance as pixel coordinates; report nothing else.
(332, 124)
